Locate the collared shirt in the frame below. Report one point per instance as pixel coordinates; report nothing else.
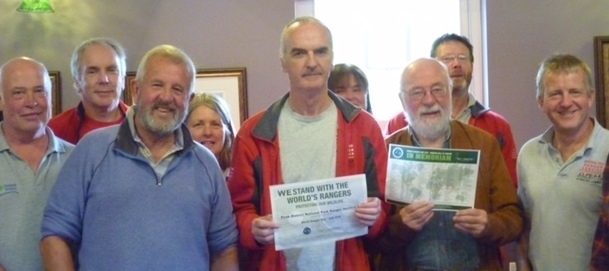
(550, 188)
(466, 114)
(23, 195)
(160, 167)
(439, 246)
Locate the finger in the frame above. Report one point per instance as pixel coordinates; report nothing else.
(367, 216)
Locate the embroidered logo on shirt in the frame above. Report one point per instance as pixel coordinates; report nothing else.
(8, 189)
(591, 172)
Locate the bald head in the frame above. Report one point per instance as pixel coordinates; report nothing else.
(23, 66)
(25, 97)
(288, 30)
(424, 68)
(426, 97)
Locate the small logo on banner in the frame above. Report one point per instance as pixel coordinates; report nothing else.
(306, 231)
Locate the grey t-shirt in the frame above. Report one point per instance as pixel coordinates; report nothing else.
(308, 152)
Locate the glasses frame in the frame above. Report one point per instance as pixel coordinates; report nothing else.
(462, 59)
(437, 92)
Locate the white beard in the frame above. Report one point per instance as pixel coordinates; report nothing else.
(430, 128)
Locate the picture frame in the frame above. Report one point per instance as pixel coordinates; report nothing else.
(230, 83)
(601, 72)
(55, 77)
(127, 95)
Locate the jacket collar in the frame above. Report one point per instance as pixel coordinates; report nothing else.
(125, 141)
(478, 109)
(266, 128)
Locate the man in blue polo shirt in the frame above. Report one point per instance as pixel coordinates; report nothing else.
(30, 158)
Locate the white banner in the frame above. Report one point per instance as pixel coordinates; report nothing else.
(318, 211)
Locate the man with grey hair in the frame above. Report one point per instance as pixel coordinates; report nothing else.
(309, 134)
(143, 195)
(421, 238)
(98, 68)
(31, 158)
(561, 170)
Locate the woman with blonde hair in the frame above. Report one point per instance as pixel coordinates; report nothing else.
(210, 124)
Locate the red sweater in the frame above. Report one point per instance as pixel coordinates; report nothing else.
(68, 125)
(257, 165)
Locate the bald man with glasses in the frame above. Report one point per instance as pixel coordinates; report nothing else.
(456, 52)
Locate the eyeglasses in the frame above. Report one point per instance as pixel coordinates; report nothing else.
(418, 94)
(450, 58)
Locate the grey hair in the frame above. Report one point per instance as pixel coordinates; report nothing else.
(300, 20)
(77, 54)
(171, 53)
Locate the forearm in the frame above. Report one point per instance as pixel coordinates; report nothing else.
(227, 260)
(56, 254)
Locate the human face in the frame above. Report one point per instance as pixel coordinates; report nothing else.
(26, 99)
(308, 57)
(459, 68)
(566, 101)
(206, 127)
(426, 98)
(100, 84)
(351, 89)
(162, 96)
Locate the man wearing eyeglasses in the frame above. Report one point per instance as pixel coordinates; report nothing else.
(456, 52)
(421, 238)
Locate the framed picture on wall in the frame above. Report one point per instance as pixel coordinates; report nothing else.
(229, 83)
(127, 95)
(601, 69)
(56, 91)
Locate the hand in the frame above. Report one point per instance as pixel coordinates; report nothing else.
(472, 221)
(368, 212)
(263, 228)
(417, 214)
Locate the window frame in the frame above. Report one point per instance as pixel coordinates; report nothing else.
(471, 27)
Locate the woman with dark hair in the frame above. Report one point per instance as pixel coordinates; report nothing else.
(210, 124)
(350, 82)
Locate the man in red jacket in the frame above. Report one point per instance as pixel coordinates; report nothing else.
(98, 69)
(309, 134)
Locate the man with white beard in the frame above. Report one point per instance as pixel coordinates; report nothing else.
(421, 238)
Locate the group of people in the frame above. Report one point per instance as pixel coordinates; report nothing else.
(167, 184)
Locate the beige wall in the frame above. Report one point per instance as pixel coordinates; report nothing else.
(520, 34)
(215, 33)
(229, 33)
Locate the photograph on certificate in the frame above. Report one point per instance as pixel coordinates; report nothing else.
(317, 211)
